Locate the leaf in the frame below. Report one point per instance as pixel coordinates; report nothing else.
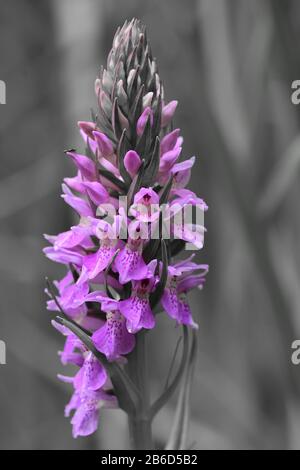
(104, 124)
(140, 48)
(73, 270)
(137, 108)
(157, 118)
(123, 148)
(143, 144)
(93, 115)
(132, 89)
(131, 59)
(113, 179)
(163, 198)
(178, 436)
(88, 151)
(117, 126)
(176, 246)
(173, 361)
(153, 165)
(166, 395)
(151, 250)
(152, 84)
(145, 67)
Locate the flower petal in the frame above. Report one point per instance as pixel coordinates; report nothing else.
(138, 314)
(86, 166)
(168, 112)
(130, 265)
(132, 162)
(91, 376)
(113, 339)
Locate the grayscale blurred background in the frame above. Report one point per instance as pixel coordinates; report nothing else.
(230, 63)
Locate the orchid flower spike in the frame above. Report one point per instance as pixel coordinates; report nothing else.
(120, 267)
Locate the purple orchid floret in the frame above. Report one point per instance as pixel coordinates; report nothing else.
(145, 207)
(181, 279)
(137, 309)
(113, 339)
(87, 407)
(132, 163)
(116, 280)
(129, 262)
(92, 387)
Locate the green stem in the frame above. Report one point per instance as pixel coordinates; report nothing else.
(140, 433)
(140, 422)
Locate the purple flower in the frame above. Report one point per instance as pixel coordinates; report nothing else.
(185, 197)
(170, 142)
(77, 237)
(180, 281)
(91, 375)
(114, 282)
(87, 406)
(168, 112)
(86, 131)
(132, 162)
(145, 206)
(71, 297)
(85, 165)
(129, 262)
(63, 255)
(96, 191)
(90, 385)
(182, 173)
(113, 339)
(72, 352)
(81, 206)
(94, 264)
(105, 146)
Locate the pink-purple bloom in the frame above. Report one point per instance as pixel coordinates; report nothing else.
(112, 282)
(113, 339)
(181, 279)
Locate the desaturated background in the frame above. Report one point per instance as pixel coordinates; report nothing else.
(231, 64)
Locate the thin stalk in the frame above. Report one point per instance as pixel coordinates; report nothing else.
(140, 422)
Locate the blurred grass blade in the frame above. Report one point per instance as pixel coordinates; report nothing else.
(281, 180)
(173, 361)
(178, 437)
(166, 395)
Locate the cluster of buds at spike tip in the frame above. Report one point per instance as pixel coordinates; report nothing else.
(114, 285)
